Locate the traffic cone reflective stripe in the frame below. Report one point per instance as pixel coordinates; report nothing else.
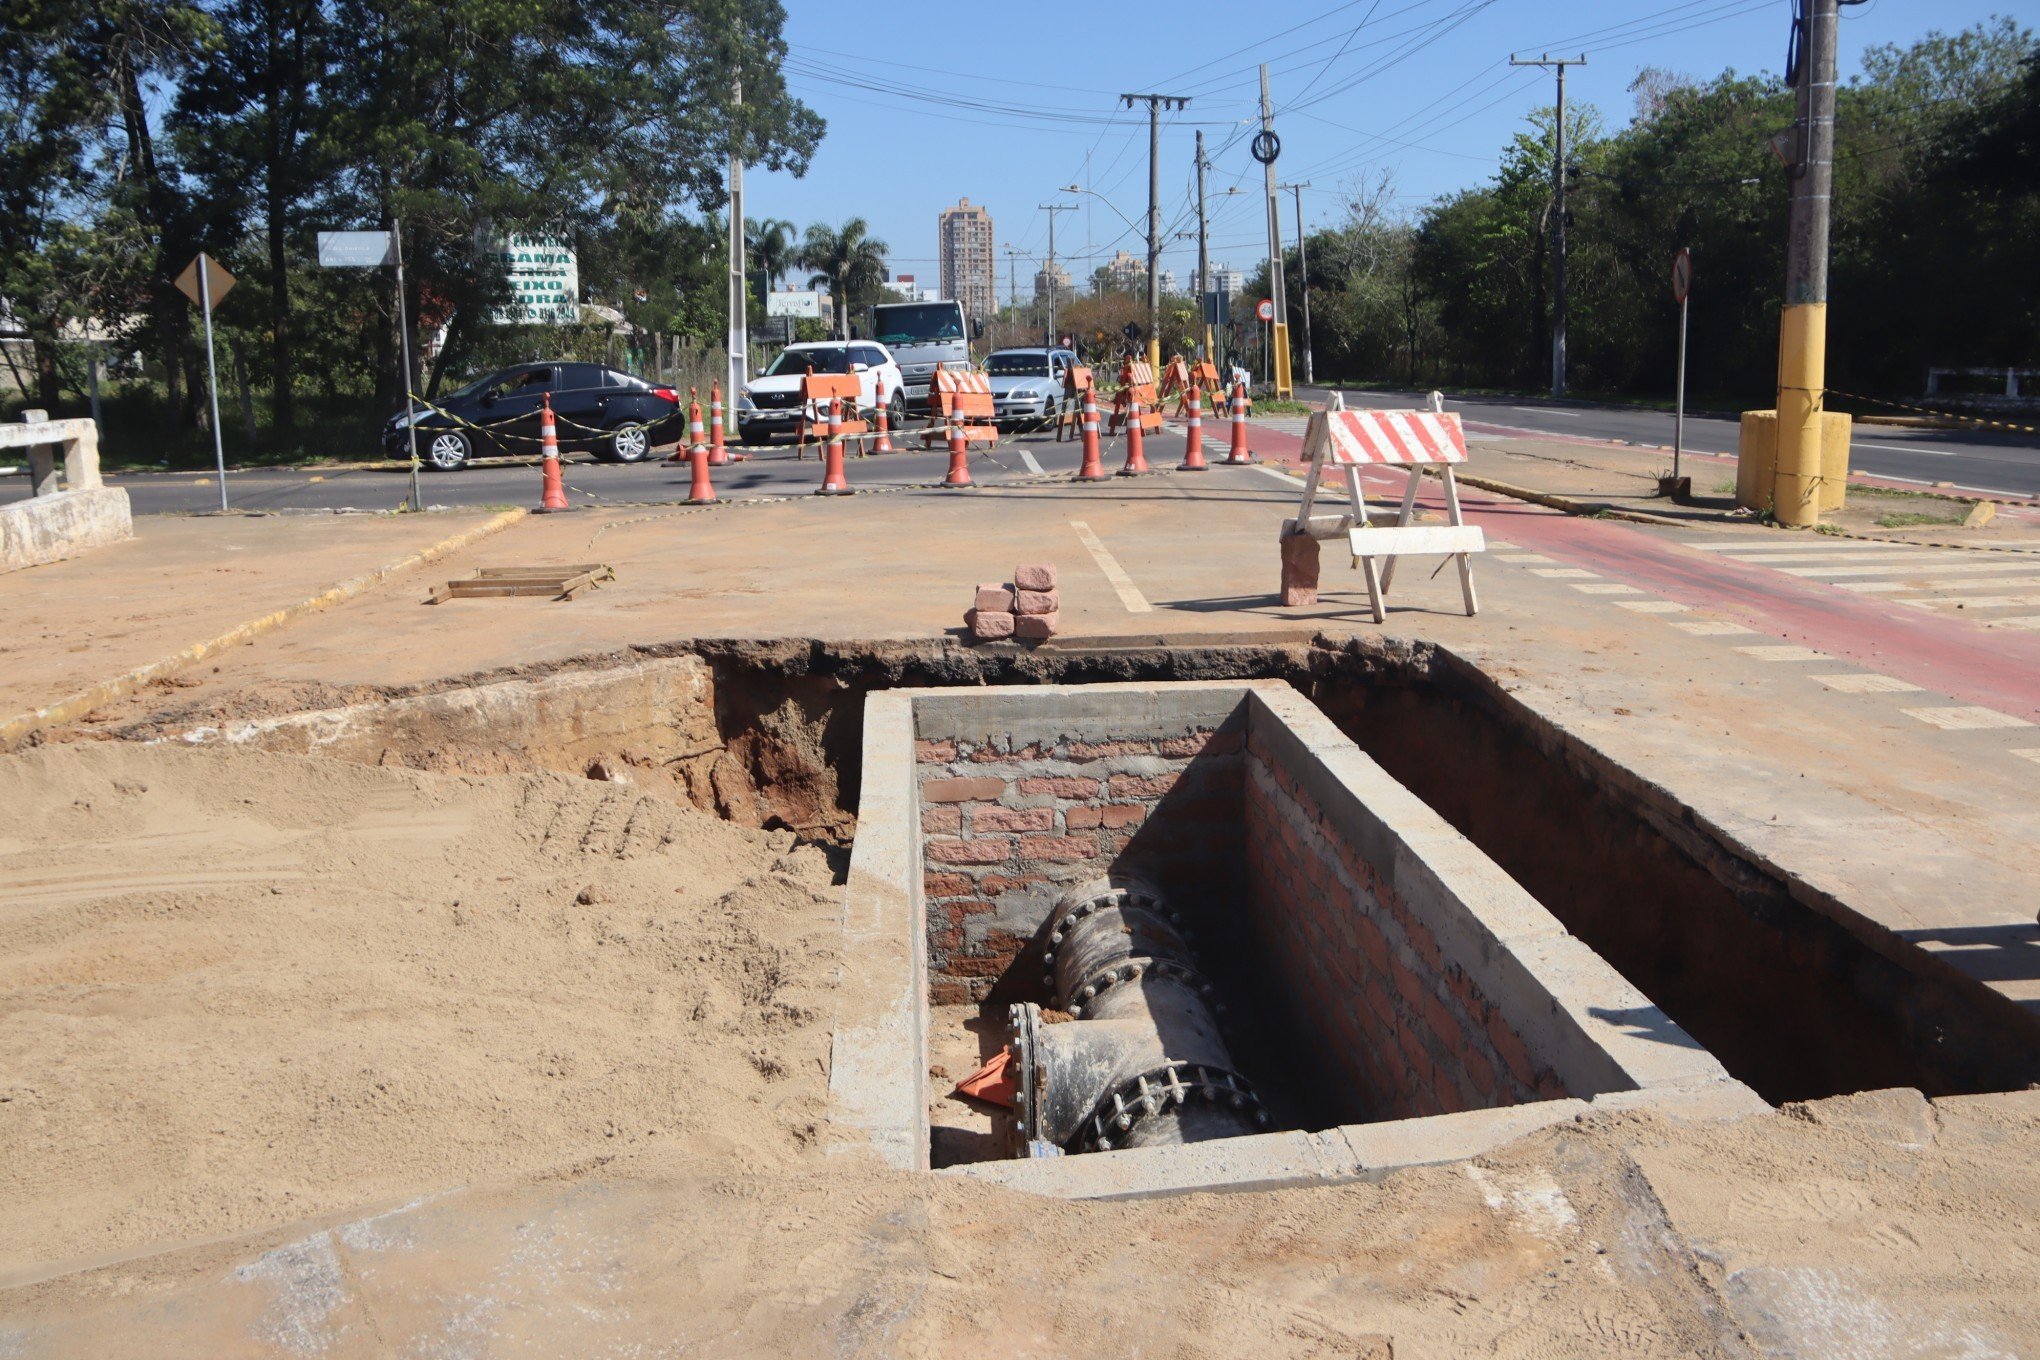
(882, 444)
(1136, 455)
(1193, 438)
(695, 439)
(1093, 469)
(834, 482)
(718, 451)
(1238, 453)
(959, 455)
(554, 495)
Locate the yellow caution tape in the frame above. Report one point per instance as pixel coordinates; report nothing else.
(1947, 415)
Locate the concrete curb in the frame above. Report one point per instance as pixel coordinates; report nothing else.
(20, 727)
(1570, 506)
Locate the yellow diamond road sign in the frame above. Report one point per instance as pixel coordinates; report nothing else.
(217, 280)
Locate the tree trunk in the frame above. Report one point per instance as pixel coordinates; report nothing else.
(247, 399)
(49, 385)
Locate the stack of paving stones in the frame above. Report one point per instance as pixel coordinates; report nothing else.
(1027, 609)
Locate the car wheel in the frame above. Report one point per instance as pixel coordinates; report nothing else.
(748, 434)
(896, 409)
(448, 450)
(628, 443)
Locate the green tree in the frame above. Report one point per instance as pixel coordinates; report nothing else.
(774, 249)
(848, 260)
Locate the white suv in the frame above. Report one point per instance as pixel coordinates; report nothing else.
(770, 403)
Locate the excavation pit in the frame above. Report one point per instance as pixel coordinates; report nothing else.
(1795, 993)
(1397, 997)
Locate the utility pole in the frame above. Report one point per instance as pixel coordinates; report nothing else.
(1802, 334)
(1558, 234)
(1052, 209)
(1204, 350)
(1155, 104)
(1012, 292)
(1267, 146)
(740, 301)
(1303, 280)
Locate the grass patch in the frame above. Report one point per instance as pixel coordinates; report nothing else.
(1909, 519)
(1270, 407)
(1724, 488)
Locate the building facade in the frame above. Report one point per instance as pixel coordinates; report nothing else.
(1126, 273)
(969, 273)
(1225, 279)
(1051, 280)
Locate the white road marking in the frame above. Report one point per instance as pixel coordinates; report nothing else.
(1713, 628)
(1129, 593)
(1964, 719)
(1652, 606)
(1527, 559)
(1797, 544)
(1028, 459)
(1546, 411)
(1563, 573)
(1964, 565)
(2031, 753)
(1901, 448)
(1978, 602)
(1979, 583)
(1895, 559)
(1277, 474)
(1783, 653)
(1867, 682)
(2025, 623)
(1603, 588)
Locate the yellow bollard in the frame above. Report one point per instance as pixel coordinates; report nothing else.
(1802, 387)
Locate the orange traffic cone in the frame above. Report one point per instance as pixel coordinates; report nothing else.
(959, 455)
(1238, 453)
(1193, 438)
(695, 438)
(718, 452)
(883, 444)
(834, 482)
(554, 497)
(1093, 469)
(1136, 454)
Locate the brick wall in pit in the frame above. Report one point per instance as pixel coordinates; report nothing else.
(1403, 1027)
(1006, 830)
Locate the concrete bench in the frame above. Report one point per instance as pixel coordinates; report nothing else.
(67, 514)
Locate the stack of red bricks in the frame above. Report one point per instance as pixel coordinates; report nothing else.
(1027, 609)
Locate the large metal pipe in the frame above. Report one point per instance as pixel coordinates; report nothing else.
(1129, 1054)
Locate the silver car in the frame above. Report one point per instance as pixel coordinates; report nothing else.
(1027, 384)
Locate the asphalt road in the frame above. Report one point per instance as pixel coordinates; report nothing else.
(772, 470)
(2005, 465)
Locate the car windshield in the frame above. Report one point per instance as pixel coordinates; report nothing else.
(797, 360)
(1020, 364)
(477, 387)
(913, 325)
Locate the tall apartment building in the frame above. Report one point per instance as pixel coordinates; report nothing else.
(964, 233)
(1225, 279)
(1126, 273)
(1051, 278)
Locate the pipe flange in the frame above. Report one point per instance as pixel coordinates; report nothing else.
(1122, 1109)
(1132, 970)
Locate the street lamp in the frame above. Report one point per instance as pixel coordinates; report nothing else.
(1154, 317)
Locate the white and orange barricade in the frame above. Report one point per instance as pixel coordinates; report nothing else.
(1409, 442)
(816, 391)
(964, 397)
(1203, 375)
(1175, 381)
(1078, 388)
(1136, 388)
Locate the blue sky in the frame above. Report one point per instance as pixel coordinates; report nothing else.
(1422, 89)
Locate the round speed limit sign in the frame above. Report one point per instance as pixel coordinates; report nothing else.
(1682, 274)
(1265, 309)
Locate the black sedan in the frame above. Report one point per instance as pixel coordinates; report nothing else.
(616, 417)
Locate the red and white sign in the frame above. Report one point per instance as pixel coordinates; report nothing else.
(1265, 309)
(1682, 274)
(1394, 437)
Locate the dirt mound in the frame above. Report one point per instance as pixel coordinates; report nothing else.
(236, 989)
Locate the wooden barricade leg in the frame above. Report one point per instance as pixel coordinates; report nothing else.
(1368, 571)
(1408, 516)
(1465, 559)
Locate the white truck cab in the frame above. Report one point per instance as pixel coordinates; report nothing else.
(921, 335)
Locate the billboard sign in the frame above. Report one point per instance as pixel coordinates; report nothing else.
(545, 281)
(794, 303)
(354, 249)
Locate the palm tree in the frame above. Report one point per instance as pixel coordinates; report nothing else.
(848, 259)
(772, 248)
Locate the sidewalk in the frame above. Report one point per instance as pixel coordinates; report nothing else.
(181, 583)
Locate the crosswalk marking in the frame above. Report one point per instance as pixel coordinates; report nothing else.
(1961, 583)
(1603, 588)
(1965, 718)
(1783, 653)
(1562, 573)
(1653, 606)
(2031, 753)
(1867, 682)
(1711, 628)
(1980, 602)
(1855, 559)
(1834, 545)
(1965, 566)
(1527, 559)
(2025, 623)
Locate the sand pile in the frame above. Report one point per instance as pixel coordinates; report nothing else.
(237, 989)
